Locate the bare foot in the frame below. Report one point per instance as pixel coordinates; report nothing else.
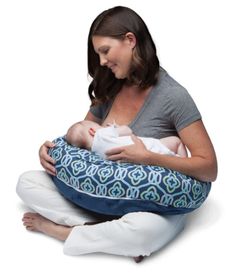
(36, 222)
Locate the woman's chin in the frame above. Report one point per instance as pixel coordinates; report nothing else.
(119, 76)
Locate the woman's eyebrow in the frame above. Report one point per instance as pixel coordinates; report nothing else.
(102, 48)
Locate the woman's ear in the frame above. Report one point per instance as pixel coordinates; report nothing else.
(131, 39)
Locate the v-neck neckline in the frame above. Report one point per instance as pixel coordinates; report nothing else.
(141, 110)
(162, 72)
(143, 107)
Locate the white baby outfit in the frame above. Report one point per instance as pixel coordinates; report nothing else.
(108, 138)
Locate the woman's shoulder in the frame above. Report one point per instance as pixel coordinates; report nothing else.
(171, 96)
(167, 84)
(168, 89)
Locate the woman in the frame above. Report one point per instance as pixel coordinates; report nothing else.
(129, 86)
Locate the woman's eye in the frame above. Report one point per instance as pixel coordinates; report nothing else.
(105, 52)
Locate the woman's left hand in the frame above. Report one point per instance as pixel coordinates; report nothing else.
(135, 153)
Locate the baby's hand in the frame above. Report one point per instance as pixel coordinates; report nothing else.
(112, 124)
(124, 130)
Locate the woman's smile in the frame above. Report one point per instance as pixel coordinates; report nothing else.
(113, 67)
(115, 54)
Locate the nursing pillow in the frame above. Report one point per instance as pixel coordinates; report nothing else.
(115, 188)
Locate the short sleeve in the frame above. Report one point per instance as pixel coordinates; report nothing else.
(182, 109)
(96, 111)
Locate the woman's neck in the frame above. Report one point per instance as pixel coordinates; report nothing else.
(133, 90)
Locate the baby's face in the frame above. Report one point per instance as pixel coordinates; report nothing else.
(89, 127)
(81, 133)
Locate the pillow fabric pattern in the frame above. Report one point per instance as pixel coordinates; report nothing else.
(114, 188)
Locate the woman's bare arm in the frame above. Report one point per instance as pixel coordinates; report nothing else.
(46, 161)
(202, 164)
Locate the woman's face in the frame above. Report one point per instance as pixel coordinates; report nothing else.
(115, 54)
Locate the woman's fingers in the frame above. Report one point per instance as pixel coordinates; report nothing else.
(45, 157)
(114, 151)
(48, 167)
(114, 157)
(48, 158)
(49, 144)
(134, 153)
(136, 140)
(116, 154)
(52, 172)
(46, 161)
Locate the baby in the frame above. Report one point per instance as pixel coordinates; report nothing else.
(92, 136)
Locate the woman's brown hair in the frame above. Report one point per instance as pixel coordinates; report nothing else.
(115, 23)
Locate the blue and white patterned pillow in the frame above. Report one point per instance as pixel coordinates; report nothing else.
(115, 188)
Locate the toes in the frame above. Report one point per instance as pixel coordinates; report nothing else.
(27, 222)
(28, 214)
(27, 219)
(30, 228)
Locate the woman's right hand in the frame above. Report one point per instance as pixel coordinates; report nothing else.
(46, 161)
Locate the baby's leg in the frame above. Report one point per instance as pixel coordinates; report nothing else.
(175, 145)
(182, 151)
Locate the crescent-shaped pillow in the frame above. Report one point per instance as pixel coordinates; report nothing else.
(115, 188)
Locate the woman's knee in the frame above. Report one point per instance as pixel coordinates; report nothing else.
(28, 181)
(24, 183)
(150, 226)
(150, 232)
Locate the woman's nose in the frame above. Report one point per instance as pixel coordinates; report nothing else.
(103, 61)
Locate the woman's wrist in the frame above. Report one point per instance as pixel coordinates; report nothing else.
(148, 157)
(196, 167)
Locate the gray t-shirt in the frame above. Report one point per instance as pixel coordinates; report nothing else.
(167, 109)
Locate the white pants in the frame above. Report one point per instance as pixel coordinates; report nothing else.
(134, 234)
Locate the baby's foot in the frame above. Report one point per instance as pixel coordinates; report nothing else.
(36, 222)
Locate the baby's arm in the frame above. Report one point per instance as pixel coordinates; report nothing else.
(175, 144)
(122, 130)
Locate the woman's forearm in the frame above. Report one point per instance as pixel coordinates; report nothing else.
(198, 167)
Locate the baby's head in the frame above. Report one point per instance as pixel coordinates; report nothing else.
(81, 134)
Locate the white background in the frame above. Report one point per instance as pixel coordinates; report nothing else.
(43, 90)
